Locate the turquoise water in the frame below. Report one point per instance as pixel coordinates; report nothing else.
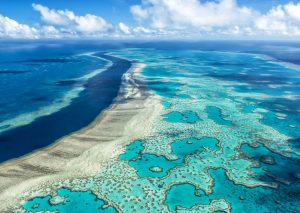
(189, 146)
(227, 139)
(147, 165)
(185, 195)
(184, 117)
(215, 114)
(69, 201)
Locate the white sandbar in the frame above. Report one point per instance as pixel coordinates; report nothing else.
(83, 153)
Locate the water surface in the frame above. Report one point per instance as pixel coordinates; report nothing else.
(227, 139)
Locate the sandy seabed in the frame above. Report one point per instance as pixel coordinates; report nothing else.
(83, 153)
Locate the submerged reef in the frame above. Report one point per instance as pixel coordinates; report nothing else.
(224, 141)
(69, 201)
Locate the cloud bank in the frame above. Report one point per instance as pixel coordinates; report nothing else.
(12, 29)
(282, 20)
(163, 19)
(67, 21)
(182, 14)
(223, 17)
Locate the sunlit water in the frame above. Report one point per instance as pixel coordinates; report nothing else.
(227, 140)
(42, 97)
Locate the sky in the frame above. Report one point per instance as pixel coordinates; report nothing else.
(152, 19)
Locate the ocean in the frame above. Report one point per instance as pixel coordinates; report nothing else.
(227, 139)
(44, 91)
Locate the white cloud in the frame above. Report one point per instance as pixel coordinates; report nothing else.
(293, 10)
(124, 28)
(139, 12)
(164, 19)
(220, 17)
(179, 14)
(61, 24)
(50, 32)
(141, 30)
(281, 20)
(10, 28)
(68, 21)
(54, 17)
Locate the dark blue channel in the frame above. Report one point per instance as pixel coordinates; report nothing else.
(98, 94)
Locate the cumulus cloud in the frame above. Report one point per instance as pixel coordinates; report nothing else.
(281, 20)
(124, 28)
(221, 17)
(67, 20)
(62, 24)
(163, 19)
(180, 14)
(141, 30)
(10, 28)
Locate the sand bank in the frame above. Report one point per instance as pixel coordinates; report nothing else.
(82, 153)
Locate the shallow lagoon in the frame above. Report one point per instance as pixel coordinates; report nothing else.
(206, 150)
(69, 201)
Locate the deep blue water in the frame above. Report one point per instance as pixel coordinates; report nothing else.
(36, 76)
(99, 92)
(223, 133)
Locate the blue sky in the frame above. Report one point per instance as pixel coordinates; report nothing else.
(114, 10)
(150, 18)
